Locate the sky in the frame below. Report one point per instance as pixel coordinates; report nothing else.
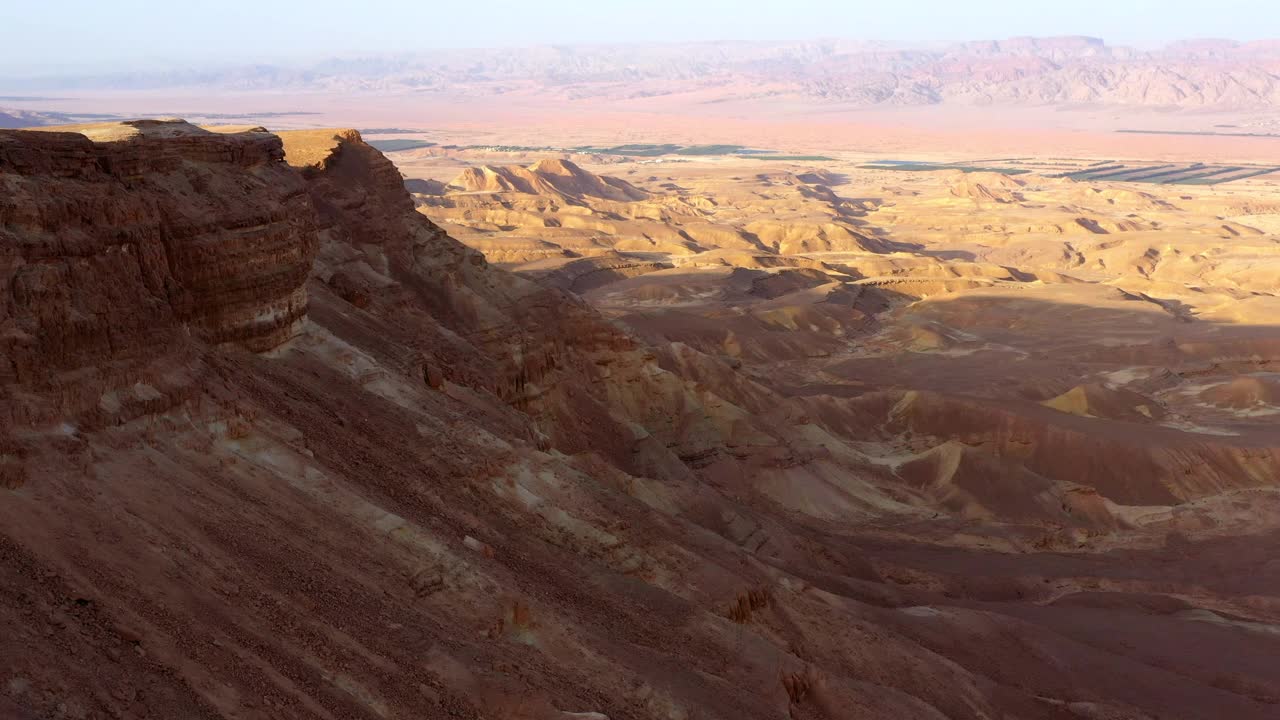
(53, 36)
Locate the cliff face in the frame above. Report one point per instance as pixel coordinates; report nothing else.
(531, 348)
(275, 446)
(116, 254)
(580, 383)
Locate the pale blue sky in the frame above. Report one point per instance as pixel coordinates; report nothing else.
(52, 35)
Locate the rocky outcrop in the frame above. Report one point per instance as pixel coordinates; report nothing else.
(579, 275)
(987, 187)
(114, 254)
(580, 383)
(553, 177)
(1130, 462)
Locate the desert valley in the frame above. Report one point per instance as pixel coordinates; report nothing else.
(820, 382)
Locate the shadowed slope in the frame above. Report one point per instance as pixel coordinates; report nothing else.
(453, 492)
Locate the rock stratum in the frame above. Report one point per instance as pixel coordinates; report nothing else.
(273, 445)
(118, 254)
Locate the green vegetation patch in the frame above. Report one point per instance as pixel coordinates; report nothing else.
(658, 149)
(398, 144)
(1179, 174)
(390, 131)
(1202, 132)
(506, 148)
(1119, 174)
(1164, 176)
(934, 167)
(1217, 177)
(793, 158)
(712, 150)
(637, 149)
(1093, 169)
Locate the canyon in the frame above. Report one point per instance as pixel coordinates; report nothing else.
(291, 430)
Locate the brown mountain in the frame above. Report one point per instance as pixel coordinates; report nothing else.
(1217, 74)
(554, 177)
(14, 118)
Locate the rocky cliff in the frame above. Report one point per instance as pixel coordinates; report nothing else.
(275, 446)
(117, 255)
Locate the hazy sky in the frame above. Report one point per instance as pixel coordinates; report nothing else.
(50, 35)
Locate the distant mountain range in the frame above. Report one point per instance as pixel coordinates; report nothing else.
(1202, 74)
(14, 118)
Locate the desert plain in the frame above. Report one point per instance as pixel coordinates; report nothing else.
(502, 399)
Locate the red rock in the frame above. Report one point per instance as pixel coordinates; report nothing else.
(257, 486)
(114, 254)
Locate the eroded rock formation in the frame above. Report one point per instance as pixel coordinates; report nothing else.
(117, 255)
(275, 446)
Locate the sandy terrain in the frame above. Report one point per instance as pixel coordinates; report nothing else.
(706, 436)
(530, 118)
(1038, 319)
